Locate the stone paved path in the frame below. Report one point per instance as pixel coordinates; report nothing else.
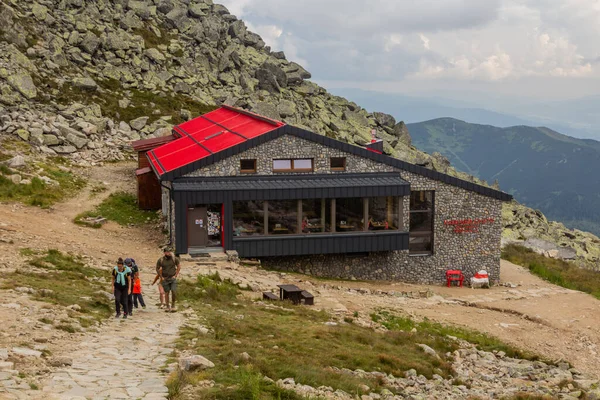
(122, 361)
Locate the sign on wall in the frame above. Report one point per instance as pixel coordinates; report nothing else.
(468, 225)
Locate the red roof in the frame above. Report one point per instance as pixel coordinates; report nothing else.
(208, 134)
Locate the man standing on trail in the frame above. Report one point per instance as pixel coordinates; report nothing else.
(168, 269)
(121, 282)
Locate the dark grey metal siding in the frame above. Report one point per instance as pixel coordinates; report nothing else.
(294, 245)
(386, 184)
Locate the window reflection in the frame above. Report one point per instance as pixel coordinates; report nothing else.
(349, 215)
(248, 218)
(383, 213)
(316, 215)
(283, 217)
(421, 222)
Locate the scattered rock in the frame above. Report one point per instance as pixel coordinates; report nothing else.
(194, 363)
(16, 162)
(22, 351)
(85, 83)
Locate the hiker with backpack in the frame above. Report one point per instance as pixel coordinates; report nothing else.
(167, 268)
(121, 283)
(130, 263)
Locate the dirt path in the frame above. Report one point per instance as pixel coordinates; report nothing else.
(121, 358)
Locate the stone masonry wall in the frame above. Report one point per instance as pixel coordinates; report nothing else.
(469, 252)
(289, 146)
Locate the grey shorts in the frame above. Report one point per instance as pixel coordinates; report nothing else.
(170, 285)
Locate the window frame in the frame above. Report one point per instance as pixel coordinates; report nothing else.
(337, 169)
(248, 171)
(420, 233)
(292, 169)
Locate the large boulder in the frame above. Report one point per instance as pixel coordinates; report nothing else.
(295, 73)
(23, 83)
(178, 18)
(237, 29)
(141, 9)
(271, 77)
(85, 83)
(401, 131)
(89, 43)
(266, 109)
(384, 119)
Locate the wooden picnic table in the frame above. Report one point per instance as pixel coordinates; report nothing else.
(346, 227)
(290, 292)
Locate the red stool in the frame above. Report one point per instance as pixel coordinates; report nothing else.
(454, 275)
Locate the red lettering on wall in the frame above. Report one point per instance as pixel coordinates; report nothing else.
(467, 225)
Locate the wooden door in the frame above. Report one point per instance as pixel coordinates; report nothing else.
(197, 227)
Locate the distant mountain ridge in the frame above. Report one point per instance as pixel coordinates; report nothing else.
(542, 168)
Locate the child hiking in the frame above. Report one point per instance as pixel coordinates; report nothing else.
(137, 291)
(130, 263)
(121, 283)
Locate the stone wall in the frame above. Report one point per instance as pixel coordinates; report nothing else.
(289, 146)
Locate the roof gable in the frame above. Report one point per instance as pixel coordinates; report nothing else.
(194, 156)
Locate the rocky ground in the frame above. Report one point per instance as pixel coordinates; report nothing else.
(39, 360)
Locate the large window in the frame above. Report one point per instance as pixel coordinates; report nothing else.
(421, 222)
(384, 213)
(295, 165)
(248, 218)
(316, 215)
(349, 215)
(283, 217)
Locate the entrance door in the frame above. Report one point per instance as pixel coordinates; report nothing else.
(197, 227)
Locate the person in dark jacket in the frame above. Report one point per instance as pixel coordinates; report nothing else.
(130, 262)
(121, 283)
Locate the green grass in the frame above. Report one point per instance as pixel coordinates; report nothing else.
(290, 341)
(38, 193)
(70, 280)
(558, 272)
(120, 207)
(481, 340)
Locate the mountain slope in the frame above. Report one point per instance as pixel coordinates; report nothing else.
(541, 168)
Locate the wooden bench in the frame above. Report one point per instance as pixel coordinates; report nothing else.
(270, 296)
(307, 298)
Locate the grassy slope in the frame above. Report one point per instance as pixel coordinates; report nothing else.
(286, 341)
(120, 207)
(69, 280)
(558, 272)
(38, 193)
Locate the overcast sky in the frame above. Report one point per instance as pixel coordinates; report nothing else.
(533, 48)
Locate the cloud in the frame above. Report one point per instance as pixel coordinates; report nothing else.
(395, 40)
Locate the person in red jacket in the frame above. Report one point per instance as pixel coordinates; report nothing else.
(137, 291)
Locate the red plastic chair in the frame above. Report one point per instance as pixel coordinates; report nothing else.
(454, 275)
